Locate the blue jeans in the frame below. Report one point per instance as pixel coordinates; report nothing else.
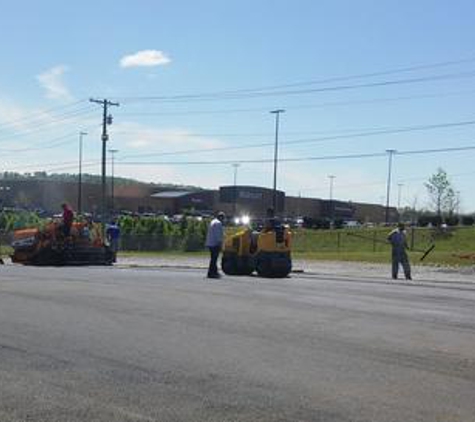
(213, 261)
(399, 256)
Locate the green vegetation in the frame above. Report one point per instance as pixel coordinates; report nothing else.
(454, 245)
(18, 220)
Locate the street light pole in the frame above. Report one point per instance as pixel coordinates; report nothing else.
(390, 152)
(81, 134)
(112, 153)
(276, 155)
(332, 214)
(235, 165)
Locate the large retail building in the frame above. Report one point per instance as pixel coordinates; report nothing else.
(233, 200)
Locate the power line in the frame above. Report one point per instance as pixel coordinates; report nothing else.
(39, 114)
(223, 95)
(52, 143)
(400, 69)
(314, 140)
(261, 161)
(46, 126)
(301, 159)
(383, 182)
(361, 75)
(302, 106)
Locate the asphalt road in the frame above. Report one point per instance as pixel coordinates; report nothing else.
(112, 344)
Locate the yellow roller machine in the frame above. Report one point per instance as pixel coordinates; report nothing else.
(266, 252)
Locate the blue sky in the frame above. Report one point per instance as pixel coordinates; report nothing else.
(56, 56)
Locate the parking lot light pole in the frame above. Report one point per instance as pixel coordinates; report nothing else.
(276, 156)
(235, 165)
(390, 152)
(81, 134)
(112, 153)
(332, 213)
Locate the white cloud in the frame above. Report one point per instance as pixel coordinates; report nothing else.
(52, 81)
(145, 58)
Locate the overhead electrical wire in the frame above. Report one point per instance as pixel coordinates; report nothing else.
(52, 143)
(383, 182)
(360, 76)
(38, 114)
(400, 69)
(299, 159)
(298, 107)
(281, 160)
(314, 140)
(46, 126)
(223, 95)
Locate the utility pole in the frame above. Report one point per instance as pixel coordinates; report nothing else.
(112, 153)
(106, 120)
(235, 165)
(332, 208)
(81, 134)
(390, 152)
(276, 155)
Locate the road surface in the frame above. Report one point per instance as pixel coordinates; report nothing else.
(131, 344)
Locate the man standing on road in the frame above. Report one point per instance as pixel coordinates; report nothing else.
(113, 235)
(214, 242)
(398, 241)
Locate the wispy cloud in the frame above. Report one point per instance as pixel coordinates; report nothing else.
(145, 58)
(53, 83)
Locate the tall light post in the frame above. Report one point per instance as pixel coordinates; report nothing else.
(276, 155)
(399, 187)
(236, 166)
(81, 135)
(332, 214)
(390, 152)
(112, 153)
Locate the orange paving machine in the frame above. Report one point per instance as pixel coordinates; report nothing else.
(48, 246)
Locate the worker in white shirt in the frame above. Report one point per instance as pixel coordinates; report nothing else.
(214, 242)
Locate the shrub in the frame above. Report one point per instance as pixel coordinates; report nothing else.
(468, 220)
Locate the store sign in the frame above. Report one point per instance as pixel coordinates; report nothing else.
(250, 195)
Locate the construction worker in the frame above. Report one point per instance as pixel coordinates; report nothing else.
(113, 235)
(214, 242)
(68, 217)
(398, 241)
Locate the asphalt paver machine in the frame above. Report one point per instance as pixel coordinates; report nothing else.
(48, 246)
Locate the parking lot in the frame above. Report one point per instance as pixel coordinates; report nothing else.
(156, 344)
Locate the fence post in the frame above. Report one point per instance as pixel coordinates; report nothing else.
(413, 233)
(338, 240)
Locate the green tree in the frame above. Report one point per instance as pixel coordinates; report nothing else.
(441, 193)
